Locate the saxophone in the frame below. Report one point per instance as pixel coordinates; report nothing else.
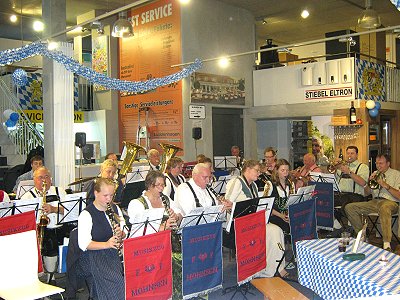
(114, 222)
(44, 219)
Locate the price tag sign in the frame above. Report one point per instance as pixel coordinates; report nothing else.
(197, 112)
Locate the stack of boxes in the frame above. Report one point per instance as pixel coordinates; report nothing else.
(301, 141)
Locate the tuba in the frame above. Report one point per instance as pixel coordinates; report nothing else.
(169, 151)
(132, 151)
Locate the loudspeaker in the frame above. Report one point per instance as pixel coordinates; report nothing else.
(88, 151)
(80, 139)
(196, 133)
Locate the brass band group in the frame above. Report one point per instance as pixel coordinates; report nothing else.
(95, 245)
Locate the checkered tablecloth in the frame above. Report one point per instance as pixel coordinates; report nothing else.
(322, 269)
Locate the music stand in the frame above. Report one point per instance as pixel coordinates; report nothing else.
(266, 203)
(21, 206)
(138, 174)
(73, 205)
(325, 177)
(24, 186)
(225, 162)
(6, 209)
(241, 208)
(220, 185)
(146, 222)
(201, 215)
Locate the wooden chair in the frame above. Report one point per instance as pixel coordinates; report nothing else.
(19, 262)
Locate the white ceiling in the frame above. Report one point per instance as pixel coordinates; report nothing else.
(284, 24)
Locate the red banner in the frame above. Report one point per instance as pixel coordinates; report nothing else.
(20, 223)
(148, 266)
(250, 245)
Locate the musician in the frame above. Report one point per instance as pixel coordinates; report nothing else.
(173, 176)
(194, 193)
(270, 160)
(318, 151)
(302, 175)
(280, 188)
(243, 188)
(36, 162)
(235, 151)
(351, 176)
(152, 198)
(53, 233)
(100, 242)
(153, 157)
(262, 178)
(385, 200)
(112, 156)
(108, 170)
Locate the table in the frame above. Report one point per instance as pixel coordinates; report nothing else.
(322, 269)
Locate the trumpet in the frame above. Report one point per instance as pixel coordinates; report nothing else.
(333, 166)
(373, 182)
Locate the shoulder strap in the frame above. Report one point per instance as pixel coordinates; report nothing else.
(144, 202)
(33, 194)
(194, 194)
(172, 195)
(356, 172)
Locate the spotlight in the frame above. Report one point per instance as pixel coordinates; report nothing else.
(38, 26)
(304, 14)
(264, 21)
(122, 28)
(223, 62)
(13, 18)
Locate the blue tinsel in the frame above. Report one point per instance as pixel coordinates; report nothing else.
(10, 56)
(19, 77)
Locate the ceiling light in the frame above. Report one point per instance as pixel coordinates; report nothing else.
(184, 1)
(122, 28)
(13, 18)
(369, 19)
(223, 62)
(304, 14)
(264, 21)
(38, 26)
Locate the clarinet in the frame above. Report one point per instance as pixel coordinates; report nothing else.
(166, 203)
(111, 215)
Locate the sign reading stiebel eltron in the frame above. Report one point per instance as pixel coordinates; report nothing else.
(327, 93)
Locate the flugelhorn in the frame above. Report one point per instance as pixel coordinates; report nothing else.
(169, 151)
(334, 165)
(373, 182)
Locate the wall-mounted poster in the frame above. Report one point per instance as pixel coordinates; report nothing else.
(150, 53)
(218, 89)
(100, 58)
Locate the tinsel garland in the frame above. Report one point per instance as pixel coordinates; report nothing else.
(10, 56)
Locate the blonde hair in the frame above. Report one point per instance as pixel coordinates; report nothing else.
(109, 163)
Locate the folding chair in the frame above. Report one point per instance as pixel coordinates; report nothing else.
(374, 219)
(19, 262)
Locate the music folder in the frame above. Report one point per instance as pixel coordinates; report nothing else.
(201, 215)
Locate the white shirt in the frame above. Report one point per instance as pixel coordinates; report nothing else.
(85, 225)
(52, 191)
(169, 185)
(185, 199)
(135, 206)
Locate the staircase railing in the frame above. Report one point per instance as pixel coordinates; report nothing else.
(25, 135)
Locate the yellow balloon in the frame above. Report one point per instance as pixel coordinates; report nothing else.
(370, 104)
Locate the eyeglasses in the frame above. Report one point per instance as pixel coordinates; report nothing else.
(159, 185)
(46, 177)
(267, 156)
(257, 170)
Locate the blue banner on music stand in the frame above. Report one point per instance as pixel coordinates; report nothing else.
(201, 259)
(302, 221)
(323, 197)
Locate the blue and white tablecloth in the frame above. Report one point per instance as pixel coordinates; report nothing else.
(322, 269)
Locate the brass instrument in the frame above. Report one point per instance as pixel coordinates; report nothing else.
(114, 222)
(373, 182)
(132, 151)
(44, 219)
(169, 151)
(333, 166)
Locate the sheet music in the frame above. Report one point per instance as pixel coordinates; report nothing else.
(22, 206)
(220, 185)
(325, 177)
(72, 209)
(138, 174)
(24, 186)
(219, 162)
(306, 191)
(6, 209)
(152, 216)
(231, 162)
(266, 203)
(208, 214)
